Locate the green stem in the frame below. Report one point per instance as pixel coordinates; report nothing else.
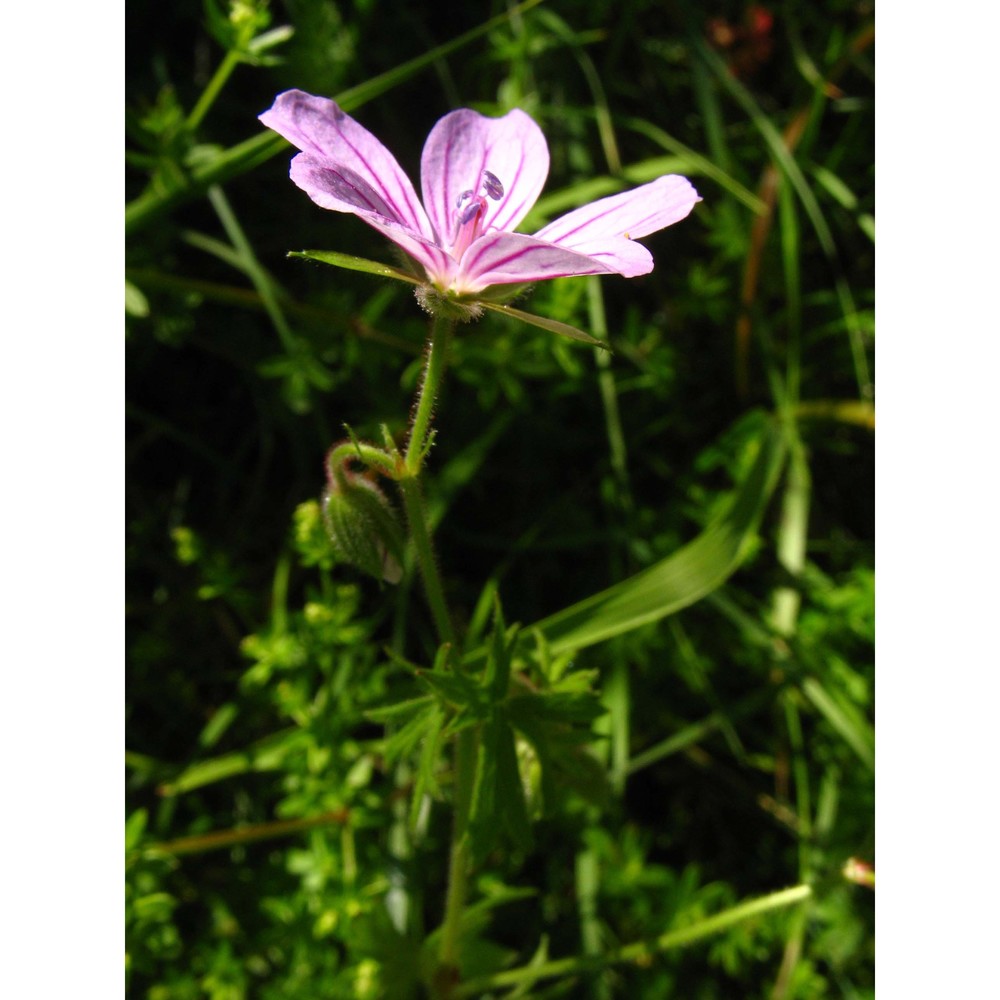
(458, 866)
(437, 360)
(639, 951)
(369, 454)
(416, 516)
(409, 481)
(211, 92)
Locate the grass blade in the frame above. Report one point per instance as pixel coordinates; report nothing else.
(679, 580)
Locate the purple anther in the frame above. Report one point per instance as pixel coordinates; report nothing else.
(470, 211)
(463, 198)
(492, 185)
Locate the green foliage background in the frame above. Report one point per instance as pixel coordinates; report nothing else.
(273, 849)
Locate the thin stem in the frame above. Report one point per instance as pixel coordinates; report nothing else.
(640, 950)
(416, 516)
(409, 482)
(458, 866)
(437, 359)
(211, 92)
(466, 747)
(370, 455)
(253, 268)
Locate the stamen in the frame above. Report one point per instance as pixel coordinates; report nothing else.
(492, 185)
(470, 211)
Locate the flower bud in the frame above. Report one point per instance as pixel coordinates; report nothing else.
(363, 527)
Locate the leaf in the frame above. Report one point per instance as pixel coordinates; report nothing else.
(510, 791)
(136, 304)
(426, 783)
(552, 325)
(456, 690)
(497, 677)
(855, 730)
(682, 578)
(483, 808)
(400, 708)
(402, 742)
(352, 263)
(498, 794)
(558, 707)
(135, 827)
(267, 755)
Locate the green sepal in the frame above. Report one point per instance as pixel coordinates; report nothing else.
(352, 263)
(364, 528)
(552, 325)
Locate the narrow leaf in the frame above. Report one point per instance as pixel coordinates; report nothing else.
(268, 755)
(854, 729)
(352, 263)
(483, 808)
(510, 791)
(552, 325)
(426, 782)
(682, 578)
(400, 708)
(401, 743)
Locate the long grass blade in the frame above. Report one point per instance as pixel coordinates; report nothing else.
(682, 578)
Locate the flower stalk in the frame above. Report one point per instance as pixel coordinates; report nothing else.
(434, 367)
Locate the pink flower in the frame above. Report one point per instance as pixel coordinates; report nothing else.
(480, 177)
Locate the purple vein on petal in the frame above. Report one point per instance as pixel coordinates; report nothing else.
(416, 212)
(526, 247)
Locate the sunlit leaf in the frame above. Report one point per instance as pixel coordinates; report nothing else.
(352, 263)
(682, 578)
(552, 325)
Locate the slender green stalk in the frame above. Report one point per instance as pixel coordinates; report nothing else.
(437, 360)
(252, 267)
(366, 453)
(640, 950)
(409, 482)
(413, 501)
(458, 865)
(466, 747)
(211, 92)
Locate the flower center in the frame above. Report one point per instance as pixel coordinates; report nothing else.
(470, 209)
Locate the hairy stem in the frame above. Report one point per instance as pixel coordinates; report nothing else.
(434, 366)
(420, 534)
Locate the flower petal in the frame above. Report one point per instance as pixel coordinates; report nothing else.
(507, 258)
(631, 214)
(370, 178)
(339, 189)
(465, 143)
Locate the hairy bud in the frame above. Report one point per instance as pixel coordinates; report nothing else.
(363, 527)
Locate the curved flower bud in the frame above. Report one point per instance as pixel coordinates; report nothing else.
(363, 526)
